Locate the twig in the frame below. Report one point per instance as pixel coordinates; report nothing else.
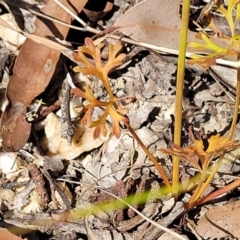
(54, 186)
(66, 124)
(191, 225)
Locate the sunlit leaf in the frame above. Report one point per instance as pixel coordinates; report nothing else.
(228, 12)
(100, 125)
(116, 119)
(187, 154)
(219, 144)
(208, 45)
(193, 153)
(113, 106)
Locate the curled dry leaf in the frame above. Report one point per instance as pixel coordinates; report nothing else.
(82, 140)
(39, 181)
(33, 70)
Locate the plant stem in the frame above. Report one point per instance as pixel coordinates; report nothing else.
(152, 158)
(213, 169)
(219, 192)
(179, 93)
(236, 106)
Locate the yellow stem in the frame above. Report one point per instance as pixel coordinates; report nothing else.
(236, 107)
(199, 192)
(216, 167)
(179, 93)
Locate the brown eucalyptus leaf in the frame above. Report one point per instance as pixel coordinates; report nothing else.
(7, 235)
(220, 222)
(156, 22)
(33, 70)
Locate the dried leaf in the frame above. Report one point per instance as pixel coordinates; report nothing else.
(33, 70)
(38, 39)
(6, 235)
(157, 22)
(220, 222)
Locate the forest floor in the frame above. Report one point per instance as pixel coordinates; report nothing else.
(43, 184)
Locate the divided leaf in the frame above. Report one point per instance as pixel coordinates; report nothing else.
(113, 107)
(214, 45)
(97, 68)
(228, 13)
(196, 152)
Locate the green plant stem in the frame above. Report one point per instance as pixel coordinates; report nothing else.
(152, 158)
(179, 93)
(236, 107)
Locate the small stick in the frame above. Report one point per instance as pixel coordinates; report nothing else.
(66, 124)
(53, 187)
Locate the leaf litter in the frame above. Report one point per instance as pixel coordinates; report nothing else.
(37, 195)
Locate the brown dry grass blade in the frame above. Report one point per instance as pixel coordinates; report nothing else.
(33, 70)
